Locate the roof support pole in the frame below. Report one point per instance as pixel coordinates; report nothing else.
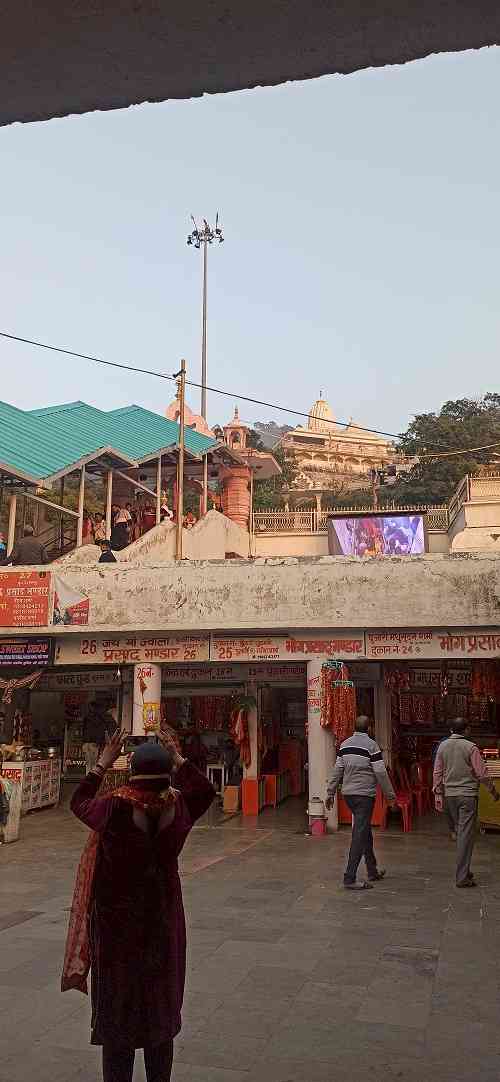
(12, 522)
(109, 501)
(204, 498)
(134, 483)
(61, 520)
(81, 504)
(251, 529)
(158, 491)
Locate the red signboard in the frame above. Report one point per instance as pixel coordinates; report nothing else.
(24, 598)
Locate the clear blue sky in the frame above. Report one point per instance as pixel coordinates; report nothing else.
(362, 229)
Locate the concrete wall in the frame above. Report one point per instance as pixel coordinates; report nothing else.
(94, 55)
(287, 544)
(328, 592)
(477, 528)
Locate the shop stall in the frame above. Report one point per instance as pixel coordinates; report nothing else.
(39, 781)
(62, 701)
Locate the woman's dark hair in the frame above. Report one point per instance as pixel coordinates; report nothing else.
(152, 761)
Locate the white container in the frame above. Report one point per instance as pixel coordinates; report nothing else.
(316, 808)
(11, 828)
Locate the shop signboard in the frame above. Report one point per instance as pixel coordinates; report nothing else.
(130, 650)
(476, 645)
(24, 598)
(262, 672)
(277, 674)
(344, 645)
(202, 674)
(77, 681)
(26, 653)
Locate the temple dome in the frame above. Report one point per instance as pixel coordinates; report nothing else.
(321, 418)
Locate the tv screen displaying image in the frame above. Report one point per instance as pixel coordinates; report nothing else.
(376, 535)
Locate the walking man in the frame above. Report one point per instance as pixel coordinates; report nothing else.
(459, 769)
(360, 767)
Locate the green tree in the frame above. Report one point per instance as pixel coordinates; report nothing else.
(459, 425)
(272, 493)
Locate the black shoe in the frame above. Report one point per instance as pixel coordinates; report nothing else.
(358, 886)
(378, 876)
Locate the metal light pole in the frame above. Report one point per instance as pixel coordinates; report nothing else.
(201, 237)
(181, 375)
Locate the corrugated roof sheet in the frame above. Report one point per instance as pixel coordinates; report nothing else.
(39, 443)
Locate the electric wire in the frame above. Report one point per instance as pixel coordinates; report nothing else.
(232, 394)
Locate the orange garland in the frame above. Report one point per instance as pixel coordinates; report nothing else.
(338, 702)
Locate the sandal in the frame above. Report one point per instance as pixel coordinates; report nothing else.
(377, 877)
(358, 886)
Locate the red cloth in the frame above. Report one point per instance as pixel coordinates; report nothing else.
(129, 894)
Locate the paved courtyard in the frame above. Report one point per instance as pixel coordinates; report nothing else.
(290, 979)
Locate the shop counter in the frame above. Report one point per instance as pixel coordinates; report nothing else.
(489, 809)
(40, 782)
(277, 787)
(253, 795)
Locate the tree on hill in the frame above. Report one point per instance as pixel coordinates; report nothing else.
(459, 425)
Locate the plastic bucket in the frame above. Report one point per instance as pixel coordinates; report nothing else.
(318, 826)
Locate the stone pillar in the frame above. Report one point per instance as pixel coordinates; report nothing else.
(253, 770)
(236, 495)
(146, 699)
(250, 783)
(383, 726)
(321, 749)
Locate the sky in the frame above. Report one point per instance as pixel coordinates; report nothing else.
(362, 238)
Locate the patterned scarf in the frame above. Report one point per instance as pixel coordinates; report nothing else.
(77, 954)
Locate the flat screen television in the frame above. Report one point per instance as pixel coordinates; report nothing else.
(376, 535)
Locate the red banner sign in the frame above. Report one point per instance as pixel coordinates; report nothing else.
(24, 598)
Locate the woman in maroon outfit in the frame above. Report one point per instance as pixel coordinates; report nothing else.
(127, 920)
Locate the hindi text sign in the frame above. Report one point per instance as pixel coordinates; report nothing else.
(24, 598)
(346, 645)
(131, 650)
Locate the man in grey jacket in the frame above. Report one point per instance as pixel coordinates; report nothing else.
(459, 768)
(359, 767)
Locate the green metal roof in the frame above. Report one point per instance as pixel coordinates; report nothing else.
(41, 443)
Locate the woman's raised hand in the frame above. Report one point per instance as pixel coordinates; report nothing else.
(112, 749)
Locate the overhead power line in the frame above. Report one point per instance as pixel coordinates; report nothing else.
(189, 383)
(229, 394)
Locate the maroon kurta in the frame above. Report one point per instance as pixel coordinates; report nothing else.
(137, 928)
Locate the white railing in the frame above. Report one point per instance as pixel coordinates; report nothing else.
(460, 496)
(276, 521)
(484, 487)
(475, 486)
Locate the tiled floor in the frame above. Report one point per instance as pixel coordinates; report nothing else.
(290, 978)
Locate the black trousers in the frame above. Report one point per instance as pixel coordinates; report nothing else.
(118, 1062)
(362, 837)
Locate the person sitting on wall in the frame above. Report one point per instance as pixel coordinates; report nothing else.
(27, 551)
(107, 555)
(165, 512)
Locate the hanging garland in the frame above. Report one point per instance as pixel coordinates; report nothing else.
(338, 700)
(485, 680)
(238, 726)
(10, 686)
